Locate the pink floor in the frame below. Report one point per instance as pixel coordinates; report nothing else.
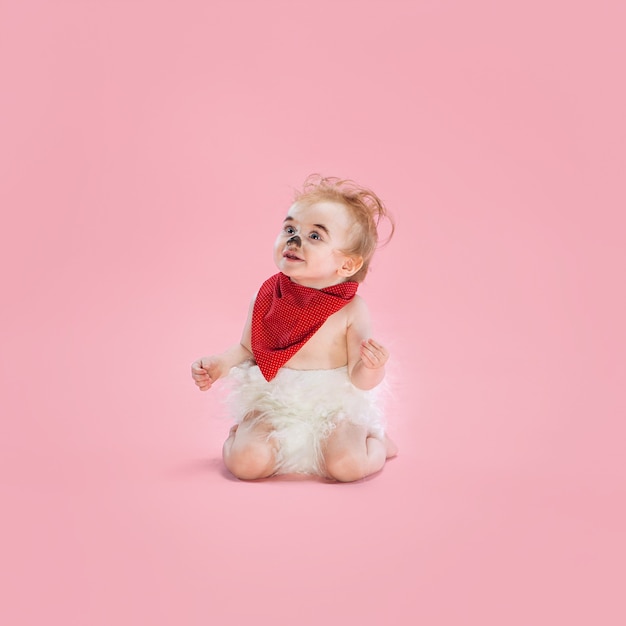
(148, 154)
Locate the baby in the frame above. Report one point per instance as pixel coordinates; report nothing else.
(305, 370)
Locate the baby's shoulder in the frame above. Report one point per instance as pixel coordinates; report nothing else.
(357, 302)
(356, 308)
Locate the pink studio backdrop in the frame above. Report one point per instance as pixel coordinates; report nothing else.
(148, 153)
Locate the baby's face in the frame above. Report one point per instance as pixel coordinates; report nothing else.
(308, 248)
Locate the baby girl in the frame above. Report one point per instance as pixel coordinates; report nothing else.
(305, 371)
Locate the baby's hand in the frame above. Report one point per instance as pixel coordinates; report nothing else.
(206, 371)
(373, 354)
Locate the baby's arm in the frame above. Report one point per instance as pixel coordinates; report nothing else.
(208, 369)
(366, 357)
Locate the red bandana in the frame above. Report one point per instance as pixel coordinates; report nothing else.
(286, 315)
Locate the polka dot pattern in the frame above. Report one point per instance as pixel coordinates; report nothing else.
(286, 315)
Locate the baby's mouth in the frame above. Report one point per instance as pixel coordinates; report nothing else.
(291, 256)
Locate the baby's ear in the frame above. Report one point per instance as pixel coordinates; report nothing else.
(351, 265)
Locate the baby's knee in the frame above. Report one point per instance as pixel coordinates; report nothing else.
(251, 461)
(346, 467)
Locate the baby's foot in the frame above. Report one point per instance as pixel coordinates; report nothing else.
(391, 449)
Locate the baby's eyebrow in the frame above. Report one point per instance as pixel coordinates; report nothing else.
(320, 226)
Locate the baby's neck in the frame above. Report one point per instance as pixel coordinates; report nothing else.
(319, 284)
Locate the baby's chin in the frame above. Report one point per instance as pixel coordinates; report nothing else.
(290, 266)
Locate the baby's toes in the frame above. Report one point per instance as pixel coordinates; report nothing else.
(391, 448)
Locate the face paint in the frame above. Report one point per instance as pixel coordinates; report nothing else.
(295, 240)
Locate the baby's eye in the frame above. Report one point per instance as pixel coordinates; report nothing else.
(314, 236)
(290, 230)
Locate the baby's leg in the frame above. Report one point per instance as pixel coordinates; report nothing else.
(247, 452)
(351, 453)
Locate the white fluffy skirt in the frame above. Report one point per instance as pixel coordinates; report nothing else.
(302, 407)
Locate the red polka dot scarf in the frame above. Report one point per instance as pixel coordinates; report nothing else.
(286, 315)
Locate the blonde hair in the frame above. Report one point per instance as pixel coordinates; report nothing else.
(365, 207)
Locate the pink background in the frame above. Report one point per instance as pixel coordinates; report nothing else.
(148, 153)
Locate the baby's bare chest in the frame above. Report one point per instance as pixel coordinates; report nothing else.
(326, 349)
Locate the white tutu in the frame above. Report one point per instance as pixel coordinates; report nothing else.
(302, 407)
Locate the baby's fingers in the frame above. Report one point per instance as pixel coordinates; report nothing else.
(377, 346)
(368, 360)
(369, 357)
(203, 385)
(373, 348)
(199, 374)
(373, 354)
(201, 377)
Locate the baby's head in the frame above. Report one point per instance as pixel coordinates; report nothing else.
(364, 206)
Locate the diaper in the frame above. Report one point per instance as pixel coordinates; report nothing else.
(302, 407)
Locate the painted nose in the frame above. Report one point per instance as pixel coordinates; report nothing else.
(295, 240)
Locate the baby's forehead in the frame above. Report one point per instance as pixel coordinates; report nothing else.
(315, 211)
